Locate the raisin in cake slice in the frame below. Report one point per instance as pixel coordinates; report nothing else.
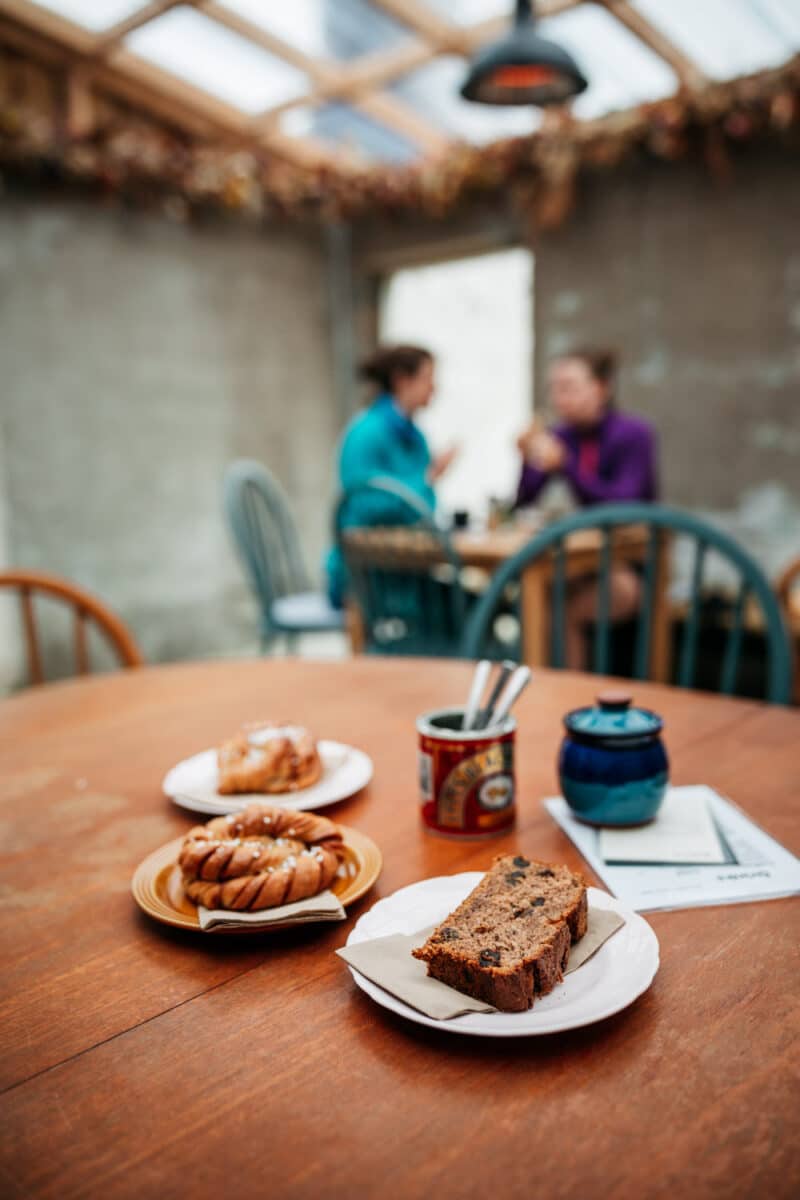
(510, 939)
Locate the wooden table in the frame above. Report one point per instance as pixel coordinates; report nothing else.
(137, 1061)
(489, 549)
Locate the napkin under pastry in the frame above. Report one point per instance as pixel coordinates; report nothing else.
(387, 961)
(323, 907)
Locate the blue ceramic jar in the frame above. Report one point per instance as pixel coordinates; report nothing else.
(612, 766)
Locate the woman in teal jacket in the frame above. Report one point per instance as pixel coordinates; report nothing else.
(384, 440)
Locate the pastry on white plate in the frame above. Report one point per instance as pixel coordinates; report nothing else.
(268, 757)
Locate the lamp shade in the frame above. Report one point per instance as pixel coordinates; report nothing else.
(523, 68)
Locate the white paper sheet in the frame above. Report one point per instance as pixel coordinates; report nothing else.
(682, 834)
(759, 867)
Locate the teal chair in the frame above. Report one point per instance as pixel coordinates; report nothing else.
(265, 536)
(752, 586)
(402, 571)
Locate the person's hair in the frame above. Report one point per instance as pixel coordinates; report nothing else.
(602, 364)
(387, 362)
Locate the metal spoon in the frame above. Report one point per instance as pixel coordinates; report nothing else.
(475, 692)
(485, 717)
(513, 689)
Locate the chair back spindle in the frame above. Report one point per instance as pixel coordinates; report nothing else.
(265, 535)
(403, 573)
(602, 646)
(558, 627)
(789, 600)
(87, 611)
(644, 630)
(662, 525)
(688, 654)
(733, 643)
(81, 644)
(35, 668)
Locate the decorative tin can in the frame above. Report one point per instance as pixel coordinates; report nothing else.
(466, 779)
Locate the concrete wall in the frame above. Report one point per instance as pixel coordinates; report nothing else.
(698, 286)
(139, 357)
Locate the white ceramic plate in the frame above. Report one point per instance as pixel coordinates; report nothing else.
(621, 970)
(192, 783)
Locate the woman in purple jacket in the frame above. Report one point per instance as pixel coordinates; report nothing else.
(604, 455)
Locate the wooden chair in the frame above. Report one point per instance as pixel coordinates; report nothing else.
(87, 610)
(659, 520)
(787, 587)
(266, 538)
(403, 573)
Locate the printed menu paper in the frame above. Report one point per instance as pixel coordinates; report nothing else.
(683, 833)
(757, 867)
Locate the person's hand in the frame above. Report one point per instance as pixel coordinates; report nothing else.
(526, 437)
(546, 452)
(442, 461)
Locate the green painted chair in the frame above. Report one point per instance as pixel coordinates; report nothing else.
(265, 536)
(752, 587)
(402, 571)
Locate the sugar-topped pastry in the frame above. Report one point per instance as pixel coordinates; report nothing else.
(268, 757)
(260, 858)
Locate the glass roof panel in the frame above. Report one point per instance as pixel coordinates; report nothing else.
(726, 38)
(211, 57)
(299, 22)
(470, 12)
(93, 14)
(622, 71)
(433, 90)
(297, 121)
(345, 127)
(783, 16)
(340, 29)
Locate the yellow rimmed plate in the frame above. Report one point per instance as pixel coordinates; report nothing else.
(157, 885)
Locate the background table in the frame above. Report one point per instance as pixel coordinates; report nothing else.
(139, 1061)
(489, 549)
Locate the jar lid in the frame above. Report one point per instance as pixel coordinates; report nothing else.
(613, 720)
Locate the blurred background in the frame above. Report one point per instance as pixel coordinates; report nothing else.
(210, 212)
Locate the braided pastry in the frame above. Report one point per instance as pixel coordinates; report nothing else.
(266, 757)
(259, 858)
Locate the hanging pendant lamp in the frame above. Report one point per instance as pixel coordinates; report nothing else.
(523, 68)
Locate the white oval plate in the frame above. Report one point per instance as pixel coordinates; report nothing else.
(192, 784)
(613, 978)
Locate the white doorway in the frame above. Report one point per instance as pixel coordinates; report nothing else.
(476, 316)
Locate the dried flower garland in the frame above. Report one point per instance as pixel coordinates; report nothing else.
(130, 156)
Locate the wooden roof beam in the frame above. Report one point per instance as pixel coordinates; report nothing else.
(401, 118)
(146, 79)
(331, 82)
(106, 40)
(325, 74)
(390, 111)
(106, 80)
(49, 25)
(494, 27)
(422, 20)
(372, 71)
(79, 103)
(688, 72)
(173, 100)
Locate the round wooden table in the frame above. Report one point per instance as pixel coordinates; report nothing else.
(141, 1061)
